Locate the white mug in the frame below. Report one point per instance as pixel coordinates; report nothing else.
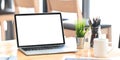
(101, 48)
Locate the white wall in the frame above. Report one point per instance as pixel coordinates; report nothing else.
(109, 12)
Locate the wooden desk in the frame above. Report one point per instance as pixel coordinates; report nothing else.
(81, 53)
(78, 54)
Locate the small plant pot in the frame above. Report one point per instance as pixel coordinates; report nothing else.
(80, 42)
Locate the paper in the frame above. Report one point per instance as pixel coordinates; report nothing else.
(8, 50)
(9, 58)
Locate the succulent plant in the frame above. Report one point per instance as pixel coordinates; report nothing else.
(80, 28)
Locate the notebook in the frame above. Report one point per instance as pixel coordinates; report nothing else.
(40, 33)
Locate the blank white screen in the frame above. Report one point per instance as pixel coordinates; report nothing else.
(39, 29)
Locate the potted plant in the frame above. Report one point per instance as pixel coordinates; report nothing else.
(80, 32)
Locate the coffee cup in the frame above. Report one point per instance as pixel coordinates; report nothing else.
(101, 47)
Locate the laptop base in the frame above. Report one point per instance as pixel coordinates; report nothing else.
(68, 47)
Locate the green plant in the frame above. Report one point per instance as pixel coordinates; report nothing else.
(80, 28)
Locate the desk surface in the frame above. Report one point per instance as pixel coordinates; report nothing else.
(80, 53)
(61, 56)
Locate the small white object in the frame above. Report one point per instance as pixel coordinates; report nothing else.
(3, 4)
(5, 25)
(101, 47)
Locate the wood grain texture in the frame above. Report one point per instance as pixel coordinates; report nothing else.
(26, 4)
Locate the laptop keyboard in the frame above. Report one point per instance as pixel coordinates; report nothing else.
(40, 48)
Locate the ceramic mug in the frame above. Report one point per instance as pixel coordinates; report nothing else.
(101, 47)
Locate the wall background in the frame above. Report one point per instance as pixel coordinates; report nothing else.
(109, 12)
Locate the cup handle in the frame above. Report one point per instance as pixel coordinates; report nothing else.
(110, 48)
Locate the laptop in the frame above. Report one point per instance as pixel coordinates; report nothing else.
(40, 33)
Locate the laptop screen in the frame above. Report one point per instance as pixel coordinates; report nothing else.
(39, 29)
